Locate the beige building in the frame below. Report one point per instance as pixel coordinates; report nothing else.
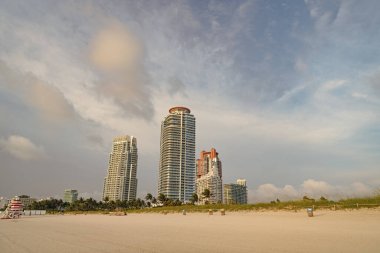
(236, 193)
(121, 182)
(209, 176)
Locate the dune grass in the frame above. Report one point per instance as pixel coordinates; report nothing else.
(353, 203)
(287, 205)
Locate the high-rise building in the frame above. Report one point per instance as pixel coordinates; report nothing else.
(121, 182)
(70, 195)
(209, 176)
(236, 193)
(177, 155)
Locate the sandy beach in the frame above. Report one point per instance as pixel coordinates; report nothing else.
(328, 231)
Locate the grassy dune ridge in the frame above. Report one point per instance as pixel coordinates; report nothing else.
(286, 205)
(353, 203)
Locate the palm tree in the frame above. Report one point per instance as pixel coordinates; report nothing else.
(162, 198)
(148, 197)
(206, 195)
(194, 198)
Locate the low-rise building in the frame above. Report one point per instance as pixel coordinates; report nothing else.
(236, 193)
(70, 195)
(27, 201)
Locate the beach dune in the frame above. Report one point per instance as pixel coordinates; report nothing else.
(328, 231)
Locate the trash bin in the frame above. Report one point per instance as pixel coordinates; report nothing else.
(222, 212)
(310, 212)
(210, 212)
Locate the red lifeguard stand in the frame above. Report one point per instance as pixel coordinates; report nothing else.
(14, 209)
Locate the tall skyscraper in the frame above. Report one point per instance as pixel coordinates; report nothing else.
(177, 155)
(236, 193)
(70, 195)
(121, 182)
(209, 176)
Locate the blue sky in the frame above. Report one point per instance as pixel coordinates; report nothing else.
(288, 92)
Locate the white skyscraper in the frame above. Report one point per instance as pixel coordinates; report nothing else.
(177, 155)
(121, 182)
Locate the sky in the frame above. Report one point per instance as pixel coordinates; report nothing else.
(288, 92)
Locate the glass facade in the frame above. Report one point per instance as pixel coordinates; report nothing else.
(177, 155)
(121, 180)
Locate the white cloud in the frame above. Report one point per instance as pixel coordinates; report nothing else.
(315, 188)
(269, 192)
(359, 95)
(22, 148)
(311, 188)
(49, 102)
(331, 85)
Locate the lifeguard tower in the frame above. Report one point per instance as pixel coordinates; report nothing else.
(14, 209)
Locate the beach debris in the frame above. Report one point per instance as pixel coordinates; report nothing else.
(118, 213)
(14, 209)
(210, 212)
(222, 212)
(183, 212)
(310, 212)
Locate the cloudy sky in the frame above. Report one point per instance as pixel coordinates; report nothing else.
(288, 92)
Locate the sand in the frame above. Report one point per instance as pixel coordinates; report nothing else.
(328, 231)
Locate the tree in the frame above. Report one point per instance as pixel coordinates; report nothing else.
(118, 203)
(194, 198)
(177, 202)
(140, 203)
(206, 193)
(162, 198)
(148, 197)
(308, 199)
